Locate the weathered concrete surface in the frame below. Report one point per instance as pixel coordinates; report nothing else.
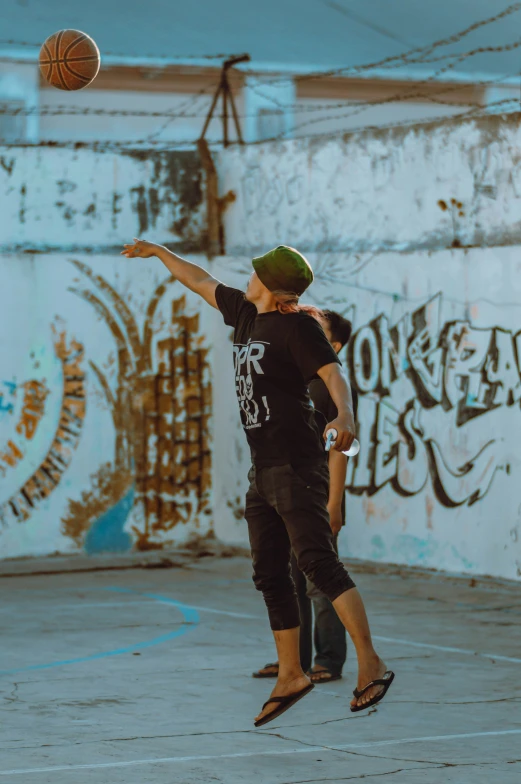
(182, 710)
(74, 199)
(451, 183)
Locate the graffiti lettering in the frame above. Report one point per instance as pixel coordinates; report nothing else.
(464, 371)
(11, 455)
(33, 407)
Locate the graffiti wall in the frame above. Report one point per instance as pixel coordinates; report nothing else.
(119, 424)
(105, 401)
(413, 235)
(105, 389)
(437, 367)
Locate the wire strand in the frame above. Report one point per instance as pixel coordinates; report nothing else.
(411, 94)
(411, 123)
(405, 57)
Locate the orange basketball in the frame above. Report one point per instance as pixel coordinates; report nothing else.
(69, 60)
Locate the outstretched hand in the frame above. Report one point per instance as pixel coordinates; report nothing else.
(139, 249)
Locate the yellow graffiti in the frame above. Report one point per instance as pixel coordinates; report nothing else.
(33, 408)
(12, 455)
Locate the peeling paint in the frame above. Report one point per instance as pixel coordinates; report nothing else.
(107, 487)
(438, 185)
(161, 419)
(159, 191)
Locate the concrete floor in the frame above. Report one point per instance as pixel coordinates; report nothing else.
(144, 676)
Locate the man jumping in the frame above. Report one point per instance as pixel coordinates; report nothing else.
(319, 623)
(279, 346)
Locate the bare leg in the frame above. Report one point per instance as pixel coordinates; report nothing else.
(351, 611)
(291, 675)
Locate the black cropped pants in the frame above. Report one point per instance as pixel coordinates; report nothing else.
(286, 509)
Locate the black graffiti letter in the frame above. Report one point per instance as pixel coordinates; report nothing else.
(425, 354)
(365, 360)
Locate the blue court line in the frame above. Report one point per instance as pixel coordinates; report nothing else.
(167, 600)
(190, 621)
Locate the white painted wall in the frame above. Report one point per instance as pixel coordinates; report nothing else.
(437, 480)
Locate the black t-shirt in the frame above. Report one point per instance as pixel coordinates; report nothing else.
(323, 402)
(275, 357)
(326, 411)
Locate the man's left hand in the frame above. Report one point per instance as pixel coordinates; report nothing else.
(346, 431)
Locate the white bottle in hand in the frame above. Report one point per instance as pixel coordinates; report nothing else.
(331, 437)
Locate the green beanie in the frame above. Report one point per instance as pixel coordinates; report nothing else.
(284, 269)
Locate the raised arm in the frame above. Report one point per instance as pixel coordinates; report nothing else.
(190, 275)
(340, 391)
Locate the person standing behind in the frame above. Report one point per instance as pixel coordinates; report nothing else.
(328, 633)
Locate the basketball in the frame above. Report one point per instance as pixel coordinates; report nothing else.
(69, 60)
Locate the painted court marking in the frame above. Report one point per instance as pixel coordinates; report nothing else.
(166, 600)
(449, 650)
(410, 643)
(190, 620)
(300, 750)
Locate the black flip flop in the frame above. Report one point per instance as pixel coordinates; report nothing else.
(260, 674)
(326, 676)
(385, 681)
(284, 704)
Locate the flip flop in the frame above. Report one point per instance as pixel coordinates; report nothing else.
(385, 681)
(323, 676)
(260, 674)
(284, 704)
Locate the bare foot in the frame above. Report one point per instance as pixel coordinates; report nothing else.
(320, 674)
(283, 688)
(371, 671)
(268, 671)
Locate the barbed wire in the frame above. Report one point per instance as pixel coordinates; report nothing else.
(162, 146)
(107, 145)
(456, 58)
(405, 58)
(476, 111)
(183, 112)
(354, 107)
(299, 106)
(393, 61)
(409, 95)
